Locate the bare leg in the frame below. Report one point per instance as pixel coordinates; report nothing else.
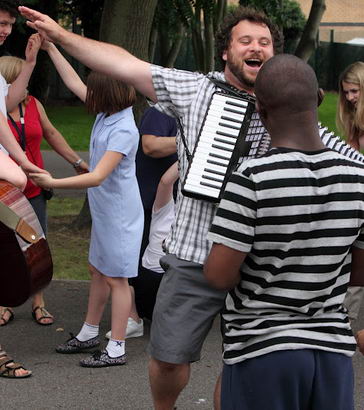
(167, 381)
(98, 296)
(217, 394)
(133, 311)
(120, 306)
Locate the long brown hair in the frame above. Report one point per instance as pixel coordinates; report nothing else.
(107, 95)
(350, 119)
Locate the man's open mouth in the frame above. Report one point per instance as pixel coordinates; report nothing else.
(253, 62)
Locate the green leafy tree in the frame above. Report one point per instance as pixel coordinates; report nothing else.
(202, 18)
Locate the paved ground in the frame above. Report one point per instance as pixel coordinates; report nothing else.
(59, 383)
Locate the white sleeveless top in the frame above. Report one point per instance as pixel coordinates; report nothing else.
(159, 229)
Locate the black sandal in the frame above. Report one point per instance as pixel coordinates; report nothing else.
(44, 315)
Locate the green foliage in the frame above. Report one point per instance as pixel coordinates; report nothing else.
(74, 124)
(327, 112)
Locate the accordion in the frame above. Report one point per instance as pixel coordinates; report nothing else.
(231, 132)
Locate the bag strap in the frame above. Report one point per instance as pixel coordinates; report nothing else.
(21, 132)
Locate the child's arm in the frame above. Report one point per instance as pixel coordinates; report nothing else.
(66, 71)
(222, 267)
(11, 145)
(17, 89)
(56, 140)
(94, 178)
(165, 187)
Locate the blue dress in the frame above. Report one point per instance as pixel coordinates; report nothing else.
(115, 205)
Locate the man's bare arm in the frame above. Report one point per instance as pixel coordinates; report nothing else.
(102, 57)
(357, 267)
(158, 147)
(222, 267)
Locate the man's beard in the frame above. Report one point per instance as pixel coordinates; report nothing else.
(238, 71)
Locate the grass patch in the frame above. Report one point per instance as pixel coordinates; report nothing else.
(74, 123)
(69, 247)
(327, 112)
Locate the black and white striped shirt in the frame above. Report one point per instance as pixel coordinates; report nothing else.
(296, 214)
(186, 95)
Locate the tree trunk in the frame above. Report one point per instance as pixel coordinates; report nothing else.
(83, 219)
(307, 43)
(175, 46)
(128, 24)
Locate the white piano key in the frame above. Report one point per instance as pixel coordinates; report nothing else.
(202, 190)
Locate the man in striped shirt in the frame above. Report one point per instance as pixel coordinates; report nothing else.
(283, 235)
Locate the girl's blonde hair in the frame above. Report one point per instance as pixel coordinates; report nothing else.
(10, 68)
(350, 119)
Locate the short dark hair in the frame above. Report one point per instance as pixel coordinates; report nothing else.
(10, 7)
(223, 37)
(108, 95)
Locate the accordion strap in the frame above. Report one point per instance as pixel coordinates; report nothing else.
(183, 138)
(230, 89)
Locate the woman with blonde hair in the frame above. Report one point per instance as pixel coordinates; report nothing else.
(350, 112)
(29, 123)
(350, 121)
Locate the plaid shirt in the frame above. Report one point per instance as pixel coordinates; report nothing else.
(186, 95)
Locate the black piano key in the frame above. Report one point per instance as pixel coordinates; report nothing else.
(236, 103)
(222, 148)
(234, 111)
(213, 171)
(225, 141)
(223, 124)
(224, 117)
(211, 178)
(225, 134)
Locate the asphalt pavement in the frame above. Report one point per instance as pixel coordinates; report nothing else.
(58, 382)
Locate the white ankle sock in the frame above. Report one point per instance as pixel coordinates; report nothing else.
(115, 348)
(88, 332)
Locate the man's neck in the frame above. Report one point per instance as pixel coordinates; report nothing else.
(231, 79)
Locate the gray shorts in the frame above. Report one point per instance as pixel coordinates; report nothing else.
(185, 308)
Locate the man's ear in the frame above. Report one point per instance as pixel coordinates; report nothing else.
(261, 110)
(224, 55)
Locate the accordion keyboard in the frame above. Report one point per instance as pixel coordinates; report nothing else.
(226, 138)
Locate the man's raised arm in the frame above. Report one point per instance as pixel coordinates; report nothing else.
(102, 57)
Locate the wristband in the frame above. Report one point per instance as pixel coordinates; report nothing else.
(77, 163)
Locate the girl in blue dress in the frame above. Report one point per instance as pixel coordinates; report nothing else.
(115, 205)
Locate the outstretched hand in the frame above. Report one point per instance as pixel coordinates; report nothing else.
(33, 46)
(46, 27)
(28, 167)
(42, 180)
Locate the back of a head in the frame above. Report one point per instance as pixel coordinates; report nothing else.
(286, 83)
(107, 94)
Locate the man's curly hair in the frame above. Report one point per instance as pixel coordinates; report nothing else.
(223, 37)
(10, 7)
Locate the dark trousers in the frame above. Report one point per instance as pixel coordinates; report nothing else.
(289, 380)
